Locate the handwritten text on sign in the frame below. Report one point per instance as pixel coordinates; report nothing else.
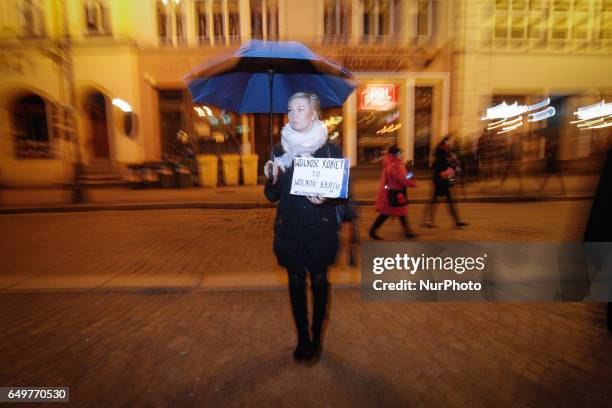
(320, 176)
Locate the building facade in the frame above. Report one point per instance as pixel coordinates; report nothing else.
(425, 67)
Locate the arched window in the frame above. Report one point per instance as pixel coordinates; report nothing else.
(31, 129)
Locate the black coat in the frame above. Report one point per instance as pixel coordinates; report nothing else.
(440, 165)
(304, 234)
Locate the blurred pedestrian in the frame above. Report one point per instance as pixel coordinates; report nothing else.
(305, 228)
(392, 200)
(552, 168)
(443, 178)
(512, 160)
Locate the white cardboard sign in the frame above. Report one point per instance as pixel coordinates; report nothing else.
(326, 177)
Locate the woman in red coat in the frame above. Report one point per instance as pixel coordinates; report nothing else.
(393, 177)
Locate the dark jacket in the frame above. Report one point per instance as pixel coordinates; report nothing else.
(304, 234)
(440, 165)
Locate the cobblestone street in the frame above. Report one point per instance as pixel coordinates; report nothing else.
(124, 308)
(229, 248)
(234, 349)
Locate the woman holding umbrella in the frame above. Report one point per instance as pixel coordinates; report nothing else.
(305, 228)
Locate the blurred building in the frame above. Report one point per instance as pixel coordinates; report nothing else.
(524, 51)
(426, 67)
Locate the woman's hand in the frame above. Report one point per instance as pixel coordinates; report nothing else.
(271, 171)
(316, 200)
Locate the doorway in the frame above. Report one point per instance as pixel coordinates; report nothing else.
(96, 112)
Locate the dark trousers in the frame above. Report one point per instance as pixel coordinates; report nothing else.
(320, 296)
(430, 213)
(382, 218)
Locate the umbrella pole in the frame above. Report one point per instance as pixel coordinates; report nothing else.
(270, 78)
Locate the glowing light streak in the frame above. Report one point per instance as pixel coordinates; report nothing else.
(505, 123)
(603, 125)
(541, 115)
(121, 104)
(594, 111)
(508, 128)
(593, 122)
(391, 128)
(505, 111)
(539, 105)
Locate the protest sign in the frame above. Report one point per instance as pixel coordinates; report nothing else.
(324, 177)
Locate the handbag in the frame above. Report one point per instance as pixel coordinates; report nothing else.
(397, 198)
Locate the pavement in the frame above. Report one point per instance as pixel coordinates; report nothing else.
(233, 349)
(200, 250)
(187, 307)
(24, 200)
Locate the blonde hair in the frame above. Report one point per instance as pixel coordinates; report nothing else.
(312, 99)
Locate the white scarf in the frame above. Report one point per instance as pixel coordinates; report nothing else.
(300, 144)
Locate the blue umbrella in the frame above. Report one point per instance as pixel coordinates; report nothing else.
(261, 76)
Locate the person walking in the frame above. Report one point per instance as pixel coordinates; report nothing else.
(305, 228)
(443, 174)
(392, 200)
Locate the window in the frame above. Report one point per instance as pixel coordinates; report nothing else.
(31, 130)
(234, 20)
(96, 17)
(424, 17)
(272, 18)
(202, 26)
(518, 19)
(337, 19)
(218, 26)
(260, 10)
(171, 22)
(605, 23)
(381, 17)
(555, 20)
(256, 19)
(32, 21)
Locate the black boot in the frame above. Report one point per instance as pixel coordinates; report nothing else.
(377, 223)
(407, 230)
(320, 296)
(297, 294)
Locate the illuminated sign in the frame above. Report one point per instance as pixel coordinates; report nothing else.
(503, 112)
(380, 97)
(595, 116)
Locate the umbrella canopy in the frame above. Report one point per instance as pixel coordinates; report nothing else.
(246, 80)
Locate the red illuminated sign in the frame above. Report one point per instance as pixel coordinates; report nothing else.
(380, 97)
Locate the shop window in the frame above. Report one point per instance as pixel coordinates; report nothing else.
(337, 20)
(97, 20)
(31, 129)
(171, 22)
(332, 117)
(32, 18)
(423, 114)
(216, 131)
(378, 121)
